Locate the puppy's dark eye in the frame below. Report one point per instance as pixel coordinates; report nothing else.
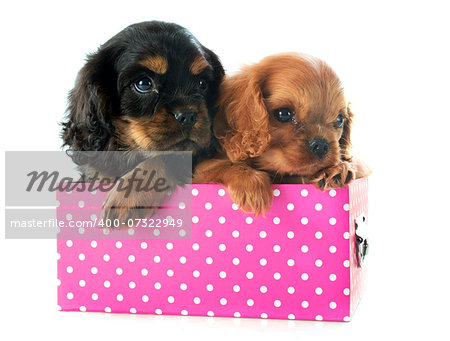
(283, 114)
(202, 85)
(340, 121)
(143, 85)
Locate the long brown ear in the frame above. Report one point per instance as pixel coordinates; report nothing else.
(242, 123)
(344, 141)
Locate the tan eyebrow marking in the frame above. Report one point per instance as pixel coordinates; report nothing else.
(198, 65)
(157, 64)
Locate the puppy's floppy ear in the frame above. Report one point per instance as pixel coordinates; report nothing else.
(344, 141)
(242, 123)
(92, 102)
(214, 61)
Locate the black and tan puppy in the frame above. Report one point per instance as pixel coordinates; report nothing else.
(151, 87)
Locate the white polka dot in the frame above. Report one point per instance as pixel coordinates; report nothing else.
(106, 284)
(119, 298)
(319, 318)
(183, 260)
(249, 220)
(291, 290)
(304, 220)
(318, 263)
(276, 220)
(346, 291)
(222, 220)
(276, 192)
(346, 235)
(93, 217)
(333, 277)
(81, 230)
(208, 233)
(82, 283)
(346, 263)
(332, 193)
(305, 276)
(194, 192)
(131, 258)
(222, 247)
(182, 233)
(158, 311)
(263, 289)
(332, 249)
(333, 305)
(183, 286)
(237, 314)
(210, 313)
(318, 207)
(304, 248)
(119, 271)
(118, 244)
(107, 309)
(276, 248)
(181, 205)
(58, 256)
(318, 235)
(195, 247)
(235, 206)
(170, 273)
(264, 315)
(250, 302)
(196, 273)
(69, 243)
(209, 260)
(236, 261)
(236, 288)
(277, 303)
(263, 234)
(346, 207)
(144, 245)
(156, 259)
(221, 192)
(133, 310)
(131, 231)
(157, 285)
(81, 203)
(94, 270)
(305, 304)
(290, 234)
(68, 216)
(249, 275)
(291, 317)
(144, 272)
(290, 207)
(235, 233)
(304, 193)
(332, 221)
(347, 319)
(82, 308)
(249, 247)
(209, 287)
(94, 244)
(319, 291)
(94, 297)
(208, 206)
(223, 301)
(169, 246)
(197, 300)
(290, 262)
(170, 299)
(81, 256)
(156, 232)
(277, 276)
(195, 219)
(106, 257)
(222, 274)
(263, 261)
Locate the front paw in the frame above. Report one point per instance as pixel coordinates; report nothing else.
(334, 177)
(253, 194)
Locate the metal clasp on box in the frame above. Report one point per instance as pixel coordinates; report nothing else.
(361, 240)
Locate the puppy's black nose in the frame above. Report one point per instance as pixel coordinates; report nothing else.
(186, 118)
(319, 147)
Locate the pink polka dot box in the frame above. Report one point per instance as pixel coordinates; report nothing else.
(305, 260)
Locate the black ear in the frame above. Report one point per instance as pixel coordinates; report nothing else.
(214, 61)
(92, 102)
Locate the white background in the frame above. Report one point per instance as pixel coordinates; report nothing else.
(393, 58)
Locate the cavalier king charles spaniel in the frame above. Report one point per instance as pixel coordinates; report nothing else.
(151, 87)
(282, 120)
